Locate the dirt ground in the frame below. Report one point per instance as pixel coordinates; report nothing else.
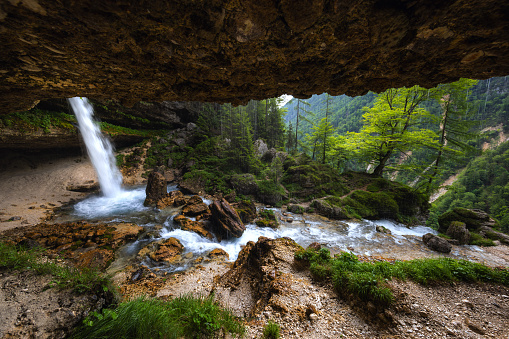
(31, 186)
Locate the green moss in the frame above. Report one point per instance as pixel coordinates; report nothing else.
(479, 240)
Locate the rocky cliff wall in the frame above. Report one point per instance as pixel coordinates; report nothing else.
(232, 51)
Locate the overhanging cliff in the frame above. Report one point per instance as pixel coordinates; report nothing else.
(232, 51)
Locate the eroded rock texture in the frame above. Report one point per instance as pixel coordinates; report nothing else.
(232, 51)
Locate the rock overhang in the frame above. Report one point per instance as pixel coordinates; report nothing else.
(233, 51)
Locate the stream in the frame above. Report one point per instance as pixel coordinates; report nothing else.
(358, 237)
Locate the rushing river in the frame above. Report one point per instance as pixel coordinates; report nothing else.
(358, 237)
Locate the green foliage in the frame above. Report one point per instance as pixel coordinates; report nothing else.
(30, 121)
(367, 280)
(64, 276)
(182, 317)
(271, 330)
(483, 185)
(479, 240)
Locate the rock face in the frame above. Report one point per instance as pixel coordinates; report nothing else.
(246, 210)
(193, 226)
(436, 243)
(167, 251)
(225, 220)
(233, 51)
(195, 206)
(156, 188)
(458, 230)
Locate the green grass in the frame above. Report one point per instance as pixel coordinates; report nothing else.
(368, 281)
(81, 280)
(182, 317)
(271, 330)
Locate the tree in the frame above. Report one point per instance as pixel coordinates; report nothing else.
(302, 114)
(392, 125)
(455, 128)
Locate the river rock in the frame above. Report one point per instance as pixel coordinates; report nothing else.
(383, 229)
(322, 207)
(436, 243)
(193, 226)
(492, 234)
(297, 209)
(218, 253)
(166, 250)
(195, 206)
(174, 198)
(458, 230)
(156, 188)
(246, 210)
(88, 186)
(225, 220)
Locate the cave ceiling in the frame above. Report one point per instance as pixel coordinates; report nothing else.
(233, 50)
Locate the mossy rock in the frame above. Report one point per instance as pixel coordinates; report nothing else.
(474, 219)
(244, 184)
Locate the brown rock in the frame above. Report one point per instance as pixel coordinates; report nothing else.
(169, 200)
(192, 226)
(246, 210)
(156, 188)
(225, 220)
(218, 253)
(97, 258)
(167, 250)
(436, 243)
(195, 206)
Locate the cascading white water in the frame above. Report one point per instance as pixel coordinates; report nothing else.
(99, 148)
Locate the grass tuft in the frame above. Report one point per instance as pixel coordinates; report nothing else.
(81, 280)
(271, 330)
(182, 317)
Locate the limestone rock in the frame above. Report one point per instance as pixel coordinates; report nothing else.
(473, 219)
(174, 198)
(166, 250)
(195, 206)
(193, 226)
(260, 147)
(458, 230)
(297, 209)
(382, 229)
(207, 52)
(436, 243)
(156, 188)
(225, 220)
(88, 186)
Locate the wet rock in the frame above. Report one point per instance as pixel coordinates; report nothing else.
(167, 250)
(246, 210)
(382, 229)
(492, 234)
(156, 188)
(322, 207)
(174, 198)
(195, 206)
(225, 220)
(458, 230)
(436, 243)
(192, 186)
(193, 226)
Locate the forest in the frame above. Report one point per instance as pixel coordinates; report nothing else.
(415, 136)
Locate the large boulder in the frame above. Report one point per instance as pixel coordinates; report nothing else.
(195, 206)
(156, 188)
(173, 198)
(436, 243)
(322, 207)
(260, 147)
(226, 222)
(474, 219)
(458, 230)
(246, 210)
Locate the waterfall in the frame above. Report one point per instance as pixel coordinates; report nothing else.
(98, 146)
